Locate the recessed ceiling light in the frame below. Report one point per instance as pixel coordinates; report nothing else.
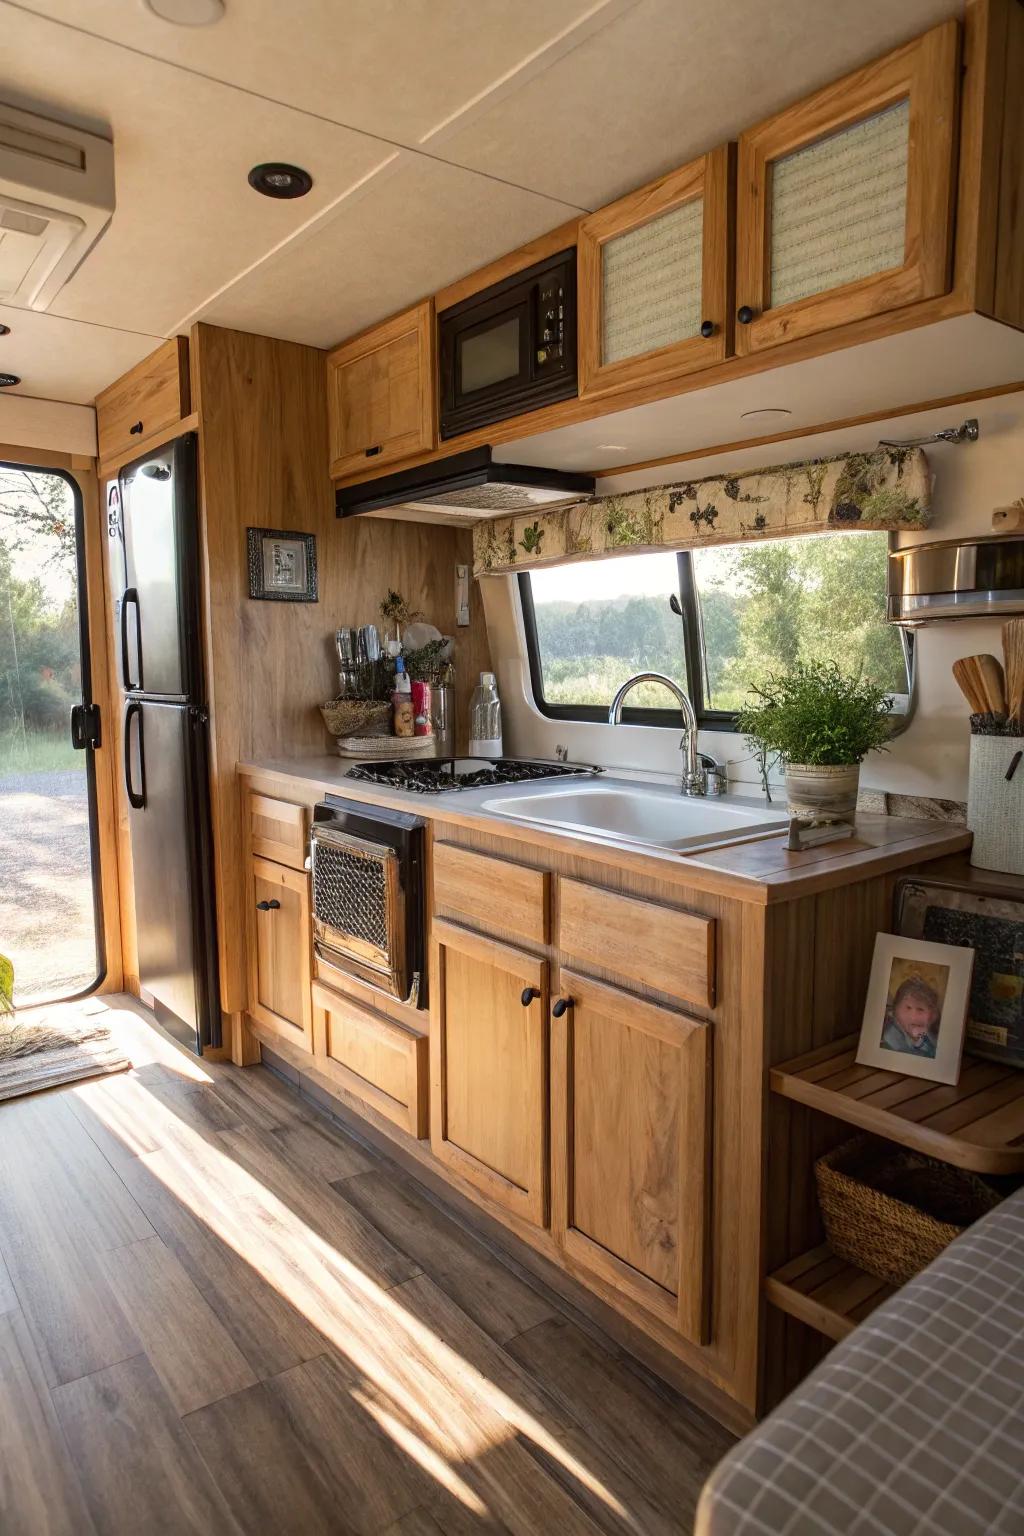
(8, 380)
(275, 180)
(766, 413)
(187, 13)
(5, 330)
(612, 448)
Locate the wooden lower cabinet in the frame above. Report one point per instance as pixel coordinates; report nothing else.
(373, 1057)
(630, 1106)
(489, 1068)
(280, 951)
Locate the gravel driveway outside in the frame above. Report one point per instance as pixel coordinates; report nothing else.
(46, 912)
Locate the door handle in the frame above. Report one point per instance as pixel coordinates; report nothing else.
(130, 596)
(528, 995)
(267, 906)
(136, 797)
(85, 726)
(561, 1005)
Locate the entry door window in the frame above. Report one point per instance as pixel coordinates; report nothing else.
(48, 912)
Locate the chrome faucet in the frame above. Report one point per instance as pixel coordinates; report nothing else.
(695, 777)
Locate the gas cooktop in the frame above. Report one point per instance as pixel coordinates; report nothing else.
(438, 775)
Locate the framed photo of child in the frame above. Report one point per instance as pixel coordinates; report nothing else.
(916, 1009)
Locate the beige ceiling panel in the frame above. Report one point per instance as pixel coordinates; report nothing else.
(668, 80)
(397, 68)
(59, 359)
(186, 220)
(410, 231)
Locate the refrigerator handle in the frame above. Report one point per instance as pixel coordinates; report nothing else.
(130, 596)
(136, 798)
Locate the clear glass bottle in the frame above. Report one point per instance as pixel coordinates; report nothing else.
(485, 718)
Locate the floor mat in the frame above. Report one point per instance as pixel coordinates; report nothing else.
(45, 1047)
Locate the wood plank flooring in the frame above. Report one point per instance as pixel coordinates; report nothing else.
(221, 1314)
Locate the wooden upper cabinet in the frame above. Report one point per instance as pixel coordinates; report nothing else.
(655, 280)
(489, 1070)
(630, 1140)
(381, 393)
(844, 202)
(149, 397)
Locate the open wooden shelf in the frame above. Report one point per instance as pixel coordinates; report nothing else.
(825, 1292)
(977, 1123)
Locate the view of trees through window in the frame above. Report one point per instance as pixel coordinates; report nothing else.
(763, 607)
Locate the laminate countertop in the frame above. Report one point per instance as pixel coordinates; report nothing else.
(759, 868)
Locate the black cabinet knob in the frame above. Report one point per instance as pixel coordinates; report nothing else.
(267, 906)
(707, 328)
(560, 1007)
(744, 314)
(529, 993)
(136, 430)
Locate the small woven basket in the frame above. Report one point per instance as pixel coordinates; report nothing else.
(357, 717)
(891, 1211)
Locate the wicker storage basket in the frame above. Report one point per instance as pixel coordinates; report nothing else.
(357, 717)
(891, 1211)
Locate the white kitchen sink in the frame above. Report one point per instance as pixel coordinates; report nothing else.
(658, 817)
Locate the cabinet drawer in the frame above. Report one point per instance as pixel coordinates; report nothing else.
(639, 941)
(492, 893)
(152, 395)
(277, 829)
(373, 1057)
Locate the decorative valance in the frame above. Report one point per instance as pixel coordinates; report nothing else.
(889, 488)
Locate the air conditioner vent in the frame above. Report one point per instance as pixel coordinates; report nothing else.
(56, 199)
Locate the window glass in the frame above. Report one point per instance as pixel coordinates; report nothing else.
(749, 609)
(766, 606)
(599, 622)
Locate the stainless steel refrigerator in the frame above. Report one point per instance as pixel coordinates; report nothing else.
(154, 520)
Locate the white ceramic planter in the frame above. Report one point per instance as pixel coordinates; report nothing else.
(822, 793)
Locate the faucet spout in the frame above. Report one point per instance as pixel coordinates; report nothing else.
(694, 781)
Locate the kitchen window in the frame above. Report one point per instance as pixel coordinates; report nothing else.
(714, 619)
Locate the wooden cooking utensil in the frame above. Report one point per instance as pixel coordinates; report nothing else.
(1013, 655)
(993, 684)
(972, 685)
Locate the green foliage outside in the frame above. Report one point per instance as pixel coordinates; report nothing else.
(765, 608)
(816, 714)
(40, 663)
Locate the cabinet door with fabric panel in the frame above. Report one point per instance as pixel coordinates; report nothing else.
(489, 1068)
(655, 278)
(844, 202)
(631, 1161)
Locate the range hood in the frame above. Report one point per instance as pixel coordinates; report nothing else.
(464, 488)
(969, 578)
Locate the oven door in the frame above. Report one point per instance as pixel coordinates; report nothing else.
(359, 908)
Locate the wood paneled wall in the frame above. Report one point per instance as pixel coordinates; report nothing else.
(264, 463)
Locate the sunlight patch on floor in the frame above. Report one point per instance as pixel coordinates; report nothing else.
(434, 1403)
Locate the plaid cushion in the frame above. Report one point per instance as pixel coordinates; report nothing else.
(913, 1424)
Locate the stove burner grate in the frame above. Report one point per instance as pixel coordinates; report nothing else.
(442, 776)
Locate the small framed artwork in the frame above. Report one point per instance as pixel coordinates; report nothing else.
(282, 565)
(916, 1008)
(991, 922)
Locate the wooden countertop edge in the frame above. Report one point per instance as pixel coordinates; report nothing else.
(795, 875)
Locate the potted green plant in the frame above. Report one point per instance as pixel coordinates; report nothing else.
(821, 723)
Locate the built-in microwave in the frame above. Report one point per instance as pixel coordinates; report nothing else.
(510, 348)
